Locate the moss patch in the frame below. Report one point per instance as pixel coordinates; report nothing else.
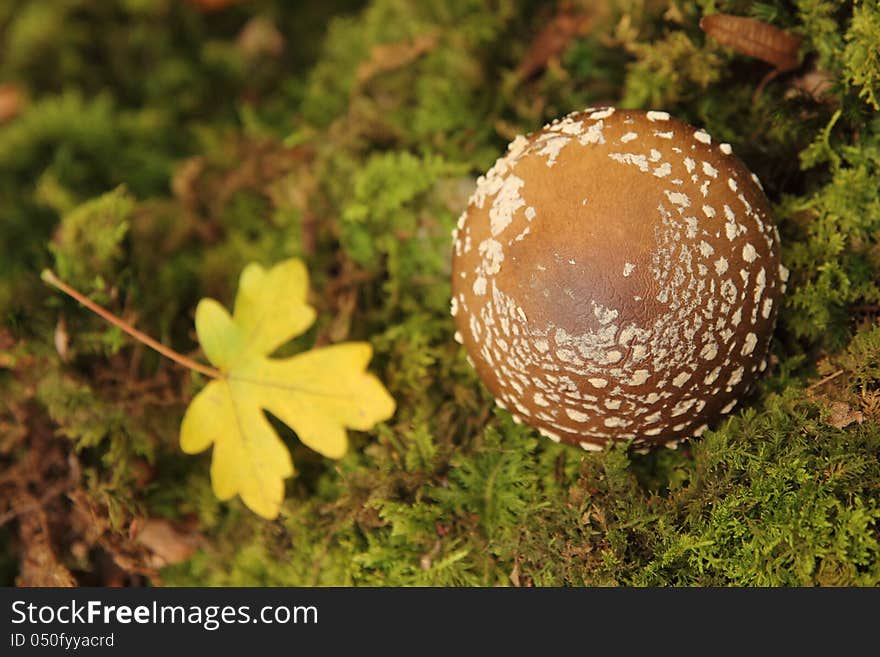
(355, 149)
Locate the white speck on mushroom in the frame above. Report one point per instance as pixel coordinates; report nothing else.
(664, 135)
(721, 265)
(576, 415)
(505, 204)
(729, 407)
(681, 379)
(730, 229)
(709, 211)
(602, 114)
(732, 184)
(681, 408)
(631, 158)
(611, 357)
(757, 181)
(725, 148)
(768, 305)
(709, 170)
(530, 213)
(480, 286)
(593, 135)
(493, 254)
(689, 164)
(728, 291)
(703, 137)
(453, 306)
(736, 376)
(616, 422)
(628, 268)
(663, 170)
(712, 376)
(657, 116)
(709, 351)
(571, 127)
(749, 346)
(549, 434)
(749, 253)
(597, 382)
(706, 249)
(603, 314)
(760, 285)
(458, 337)
(552, 148)
(678, 198)
(638, 377)
(628, 137)
(591, 447)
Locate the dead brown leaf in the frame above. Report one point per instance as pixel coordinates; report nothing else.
(12, 102)
(842, 415)
(553, 40)
(754, 38)
(39, 565)
(260, 37)
(168, 543)
(392, 56)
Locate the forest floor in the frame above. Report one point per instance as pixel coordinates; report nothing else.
(151, 149)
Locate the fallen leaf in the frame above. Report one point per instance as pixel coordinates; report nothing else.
(754, 38)
(168, 544)
(260, 37)
(391, 56)
(318, 394)
(210, 6)
(842, 415)
(553, 40)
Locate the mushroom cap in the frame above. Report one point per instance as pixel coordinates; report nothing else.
(616, 276)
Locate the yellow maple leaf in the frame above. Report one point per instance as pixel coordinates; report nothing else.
(318, 393)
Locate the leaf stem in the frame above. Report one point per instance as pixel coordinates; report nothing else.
(54, 281)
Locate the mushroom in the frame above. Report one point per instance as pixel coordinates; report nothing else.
(616, 276)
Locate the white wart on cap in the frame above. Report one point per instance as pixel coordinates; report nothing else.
(616, 276)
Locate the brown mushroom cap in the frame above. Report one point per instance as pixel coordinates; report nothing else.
(616, 276)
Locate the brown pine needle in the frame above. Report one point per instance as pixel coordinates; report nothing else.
(50, 278)
(825, 380)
